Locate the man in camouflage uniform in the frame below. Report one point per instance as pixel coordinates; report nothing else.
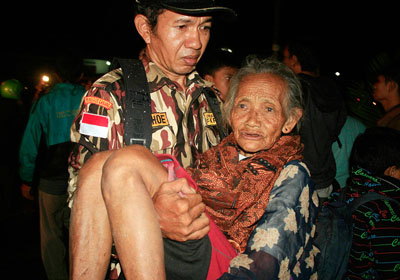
(176, 34)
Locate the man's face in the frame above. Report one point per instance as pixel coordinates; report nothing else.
(222, 78)
(288, 59)
(291, 61)
(178, 42)
(380, 88)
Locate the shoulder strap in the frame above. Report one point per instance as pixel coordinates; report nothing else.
(368, 197)
(214, 104)
(138, 122)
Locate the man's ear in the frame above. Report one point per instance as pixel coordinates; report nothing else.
(209, 78)
(393, 86)
(143, 27)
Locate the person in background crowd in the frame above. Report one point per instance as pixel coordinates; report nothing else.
(50, 121)
(375, 167)
(324, 114)
(176, 33)
(386, 91)
(218, 66)
(341, 148)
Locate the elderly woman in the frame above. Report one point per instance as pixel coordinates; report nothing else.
(254, 185)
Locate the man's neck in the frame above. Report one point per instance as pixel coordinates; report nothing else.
(177, 78)
(388, 104)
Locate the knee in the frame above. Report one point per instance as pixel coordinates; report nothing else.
(90, 173)
(121, 166)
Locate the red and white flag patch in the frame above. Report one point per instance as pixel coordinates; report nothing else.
(94, 125)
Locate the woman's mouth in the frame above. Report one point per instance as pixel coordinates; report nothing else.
(250, 135)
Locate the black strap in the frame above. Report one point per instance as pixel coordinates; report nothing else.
(214, 104)
(138, 122)
(368, 197)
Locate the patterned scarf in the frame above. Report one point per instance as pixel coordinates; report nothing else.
(237, 192)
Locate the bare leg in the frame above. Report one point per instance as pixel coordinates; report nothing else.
(90, 233)
(131, 176)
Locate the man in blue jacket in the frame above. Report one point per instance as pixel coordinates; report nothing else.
(49, 123)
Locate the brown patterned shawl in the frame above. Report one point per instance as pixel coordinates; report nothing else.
(237, 192)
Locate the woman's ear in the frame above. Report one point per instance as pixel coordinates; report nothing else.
(143, 27)
(292, 120)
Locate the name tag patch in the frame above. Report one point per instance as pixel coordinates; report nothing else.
(98, 101)
(94, 125)
(210, 120)
(159, 119)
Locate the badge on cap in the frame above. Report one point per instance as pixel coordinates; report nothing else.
(94, 125)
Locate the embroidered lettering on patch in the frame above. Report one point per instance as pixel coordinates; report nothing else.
(210, 120)
(98, 101)
(159, 119)
(94, 125)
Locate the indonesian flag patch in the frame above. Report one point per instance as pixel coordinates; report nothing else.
(94, 125)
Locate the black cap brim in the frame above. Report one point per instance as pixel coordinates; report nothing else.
(221, 13)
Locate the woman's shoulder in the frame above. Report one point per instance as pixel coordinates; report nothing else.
(294, 170)
(294, 183)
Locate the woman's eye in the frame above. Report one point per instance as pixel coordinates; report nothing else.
(242, 106)
(269, 109)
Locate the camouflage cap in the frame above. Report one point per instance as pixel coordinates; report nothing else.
(194, 7)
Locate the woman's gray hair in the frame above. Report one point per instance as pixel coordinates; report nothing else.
(256, 65)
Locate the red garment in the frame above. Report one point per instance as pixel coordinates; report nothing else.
(237, 192)
(222, 251)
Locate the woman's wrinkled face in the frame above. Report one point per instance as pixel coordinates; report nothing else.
(258, 115)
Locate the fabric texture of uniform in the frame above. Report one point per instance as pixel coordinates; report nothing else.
(182, 121)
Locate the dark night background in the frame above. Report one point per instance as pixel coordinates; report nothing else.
(350, 34)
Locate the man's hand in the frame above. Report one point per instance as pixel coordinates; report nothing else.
(180, 211)
(26, 192)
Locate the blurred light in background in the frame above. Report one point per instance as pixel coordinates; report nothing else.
(102, 66)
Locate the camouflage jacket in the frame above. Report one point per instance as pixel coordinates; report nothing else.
(183, 124)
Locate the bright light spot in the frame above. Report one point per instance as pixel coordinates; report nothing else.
(227, 50)
(374, 103)
(337, 74)
(108, 63)
(358, 99)
(45, 78)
